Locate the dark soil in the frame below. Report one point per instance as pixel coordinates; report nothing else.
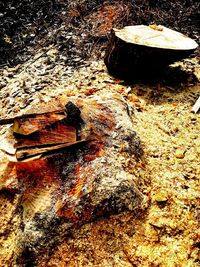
(79, 29)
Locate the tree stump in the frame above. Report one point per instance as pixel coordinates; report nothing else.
(140, 51)
(66, 175)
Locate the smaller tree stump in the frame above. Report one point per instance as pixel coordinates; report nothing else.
(142, 50)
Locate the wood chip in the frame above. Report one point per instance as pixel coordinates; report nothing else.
(196, 106)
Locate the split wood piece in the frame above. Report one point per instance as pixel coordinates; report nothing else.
(52, 134)
(196, 106)
(26, 126)
(23, 154)
(56, 105)
(29, 115)
(7, 146)
(145, 50)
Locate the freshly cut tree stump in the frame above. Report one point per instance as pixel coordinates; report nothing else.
(69, 171)
(139, 51)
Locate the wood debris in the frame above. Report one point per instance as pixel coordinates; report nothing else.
(196, 106)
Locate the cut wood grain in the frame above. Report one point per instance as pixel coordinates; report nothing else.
(28, 125)
(22, 154)
(11, 120)
(52, 134)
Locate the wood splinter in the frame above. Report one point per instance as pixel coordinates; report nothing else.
(196, 106)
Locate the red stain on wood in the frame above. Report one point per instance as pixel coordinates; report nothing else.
(45, 182)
